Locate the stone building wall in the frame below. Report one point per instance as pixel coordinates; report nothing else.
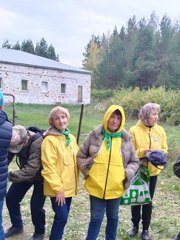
(11, 82)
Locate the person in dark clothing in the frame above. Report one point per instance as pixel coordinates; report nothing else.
(29, 174)
(177, 237)
(1, 100)
(176, 170)
(5, 140)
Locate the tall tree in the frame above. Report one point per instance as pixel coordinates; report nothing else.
(27, 46)
(122, 34)
(91, 56)
(16, 46)
(6, 44)
(153, 22)
(111, 68)
(41, 48)
(174, 62)
(167, 34)
(51, 53)
(167, 31)
(145, 69)
(131, 37)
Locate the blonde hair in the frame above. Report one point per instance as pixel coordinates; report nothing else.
(55, 110)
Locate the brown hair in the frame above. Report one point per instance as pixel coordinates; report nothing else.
(117, 112)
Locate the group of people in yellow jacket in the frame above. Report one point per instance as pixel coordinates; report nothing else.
(108, 159)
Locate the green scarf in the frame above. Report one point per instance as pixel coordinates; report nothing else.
(66, 133)
(107, 137)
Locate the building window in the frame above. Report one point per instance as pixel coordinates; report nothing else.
(24, 85)
(63, 88)
(80, 93)
(44, 87)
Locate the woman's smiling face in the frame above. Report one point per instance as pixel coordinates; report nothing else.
(60, 121)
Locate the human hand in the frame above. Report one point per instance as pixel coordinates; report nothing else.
(60, 198)
(148, 150)
(143, 160)
(12, 176)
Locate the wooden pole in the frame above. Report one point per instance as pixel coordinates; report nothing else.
(80, 121)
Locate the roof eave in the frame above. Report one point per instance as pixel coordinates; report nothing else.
(51, 68)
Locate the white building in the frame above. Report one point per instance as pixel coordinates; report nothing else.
(38, 80)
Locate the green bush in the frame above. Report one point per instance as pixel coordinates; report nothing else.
(101, 94)
(133, 99)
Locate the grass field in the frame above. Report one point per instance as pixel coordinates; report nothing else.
(166, 204)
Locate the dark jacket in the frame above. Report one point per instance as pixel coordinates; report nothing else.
(5, 139)
(29, 161)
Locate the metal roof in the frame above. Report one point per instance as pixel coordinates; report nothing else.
(17, 57)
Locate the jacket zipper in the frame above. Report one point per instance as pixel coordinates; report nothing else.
(107, 171)
(75, 171)
(149, 133)
(149, 138)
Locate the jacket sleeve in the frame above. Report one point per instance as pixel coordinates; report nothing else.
(84, 160)
(164, 146)
(140, 150)
(133, 163)
(32, 167)
(49, 163)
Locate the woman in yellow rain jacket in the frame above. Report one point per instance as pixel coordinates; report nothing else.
(147, 135)
(108, 161)
(60, 173)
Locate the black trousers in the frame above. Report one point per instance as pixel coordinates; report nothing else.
(14, 197)
(144, 212)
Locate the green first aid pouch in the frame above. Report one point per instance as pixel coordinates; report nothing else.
(138, 191)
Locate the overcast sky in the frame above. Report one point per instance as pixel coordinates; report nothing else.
(69, 24)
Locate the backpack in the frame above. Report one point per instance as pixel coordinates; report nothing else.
(176, 167)
(36, 130)
(38, 133)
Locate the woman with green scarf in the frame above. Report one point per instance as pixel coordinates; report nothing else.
(60, 172)
(108, 161)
